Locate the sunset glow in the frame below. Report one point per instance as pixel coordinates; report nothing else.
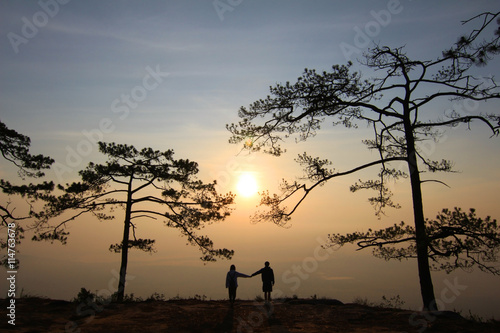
(256, 101)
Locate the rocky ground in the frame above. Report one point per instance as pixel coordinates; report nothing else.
(45, 315)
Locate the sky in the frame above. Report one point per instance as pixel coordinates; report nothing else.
(170, 75)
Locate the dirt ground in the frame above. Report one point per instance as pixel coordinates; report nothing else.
(45, 315)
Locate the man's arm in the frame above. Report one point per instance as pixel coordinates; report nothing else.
(257, 273)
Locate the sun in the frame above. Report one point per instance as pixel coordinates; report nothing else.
(247, 185)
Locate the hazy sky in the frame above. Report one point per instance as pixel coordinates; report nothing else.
(171, 74)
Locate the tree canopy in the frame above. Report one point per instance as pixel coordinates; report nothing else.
(457, 240)
(14, 148)
(148, 185)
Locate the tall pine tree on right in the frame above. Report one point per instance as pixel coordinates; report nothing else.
(399, 103)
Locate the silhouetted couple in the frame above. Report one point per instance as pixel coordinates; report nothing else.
(266, 273)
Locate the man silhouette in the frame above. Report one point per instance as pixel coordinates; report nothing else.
(267, 280)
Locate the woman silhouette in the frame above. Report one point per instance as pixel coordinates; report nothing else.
(232, 282)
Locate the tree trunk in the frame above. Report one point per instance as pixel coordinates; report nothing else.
(424, 272)
(126, 233)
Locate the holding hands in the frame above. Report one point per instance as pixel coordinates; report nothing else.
(266, 273)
